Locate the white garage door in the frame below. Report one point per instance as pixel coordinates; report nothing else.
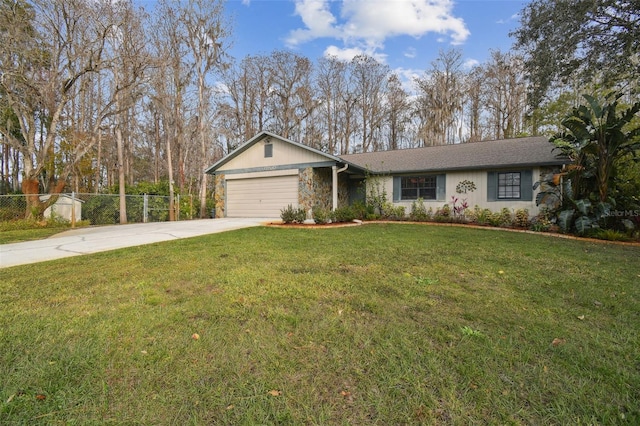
(261, 197)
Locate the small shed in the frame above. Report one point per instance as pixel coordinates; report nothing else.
(63, 206)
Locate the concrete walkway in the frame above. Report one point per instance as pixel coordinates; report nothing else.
(80, 241)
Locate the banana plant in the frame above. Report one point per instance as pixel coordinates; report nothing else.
(597, 136)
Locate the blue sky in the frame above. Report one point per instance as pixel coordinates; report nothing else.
(405, 34)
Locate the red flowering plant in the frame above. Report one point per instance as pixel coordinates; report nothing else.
(459, 209)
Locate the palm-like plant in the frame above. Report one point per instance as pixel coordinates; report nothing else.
(599, 135)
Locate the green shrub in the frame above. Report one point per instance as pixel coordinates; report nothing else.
(362, 211)
(293, 215)
(521, 218)
(398, 213)
(103, 210)
(442, 214)
(610, 235)
(418, 211)
(343, 214)
(389, 211)
(479, 215)
(444, 211)
(321, 215)
(472, 214)
(505, 217)
(541, 222)
(12, 208)
(494, 219)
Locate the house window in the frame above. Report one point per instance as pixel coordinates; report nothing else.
(268, 150)
(509, 185)
(414, 187)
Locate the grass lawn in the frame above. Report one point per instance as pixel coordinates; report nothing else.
(16, 231)
(20, 235)
(377, 324)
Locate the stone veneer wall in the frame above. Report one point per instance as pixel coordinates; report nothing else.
(219, 195)
(314, 188)
(546, 174)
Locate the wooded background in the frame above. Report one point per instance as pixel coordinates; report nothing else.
(97, 95)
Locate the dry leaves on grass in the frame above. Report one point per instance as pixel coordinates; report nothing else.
(275, 392)
(558, 341)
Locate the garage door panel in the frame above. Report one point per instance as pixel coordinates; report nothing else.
(261, 197)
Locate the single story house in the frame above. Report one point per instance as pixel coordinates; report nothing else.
(268, 172)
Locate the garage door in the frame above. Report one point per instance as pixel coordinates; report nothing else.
(261, 197)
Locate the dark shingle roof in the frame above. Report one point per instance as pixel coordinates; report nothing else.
(529, 151)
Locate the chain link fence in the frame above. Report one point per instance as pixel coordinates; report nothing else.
(100, 209)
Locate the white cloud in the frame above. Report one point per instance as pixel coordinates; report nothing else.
(407, 77)
(470, 63)
(514, 17)
(348, 53)
(318, 19)
(410, 52)
(371, 22)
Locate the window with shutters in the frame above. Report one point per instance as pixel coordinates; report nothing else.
(509, 186)
(414, 187)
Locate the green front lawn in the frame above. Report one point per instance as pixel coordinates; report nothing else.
(16, 231)
(377, 324)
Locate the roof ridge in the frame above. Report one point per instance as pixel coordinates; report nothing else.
(451, 145)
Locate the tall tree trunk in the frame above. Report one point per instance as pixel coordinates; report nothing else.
(98, 163)
(172, 211)
(203, 147)
(121, 176)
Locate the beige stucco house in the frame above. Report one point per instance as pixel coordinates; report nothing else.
(269, 172)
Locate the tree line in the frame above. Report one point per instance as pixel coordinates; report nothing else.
(101, 94)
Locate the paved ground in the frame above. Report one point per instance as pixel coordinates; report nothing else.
(80, 241)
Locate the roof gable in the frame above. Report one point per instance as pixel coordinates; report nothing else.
(253, 155)
(518, 152)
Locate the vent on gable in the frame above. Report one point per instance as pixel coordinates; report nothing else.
(268, 150)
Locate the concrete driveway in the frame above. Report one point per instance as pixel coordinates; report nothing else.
(80, 241)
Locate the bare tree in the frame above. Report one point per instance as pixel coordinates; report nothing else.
(440, 100)
(337, 103)
(52, 44)
(473, 95)
(370, 80)
(168, 85)
(206, 33)
(505, 94)
(397, 111)
(290, 81)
